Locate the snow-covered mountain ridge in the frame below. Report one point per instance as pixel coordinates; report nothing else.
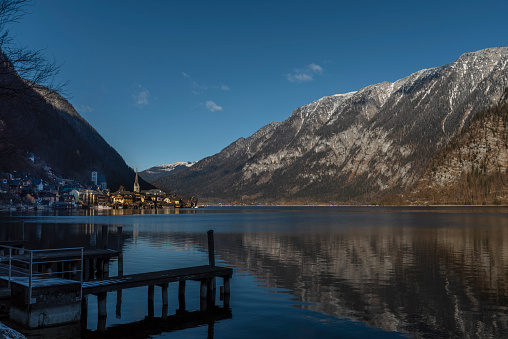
(153, 173)
(359, 144)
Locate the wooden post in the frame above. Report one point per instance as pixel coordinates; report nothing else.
(119, 304)
(202, 294)
(120, 251)
(164, 294)
(211, 249)
(164, 315)
(210, 293)
(181, 295)
(93, 237)
(105, 230)
(164, 301)
(211, 262)
(99, 267)
(84, 311)
(226, 292)
(86, 269)
(211, 329)
(120, 272)
(226, 285)
(102, 310)
(105, 269)
(150, 300)
(92, 268)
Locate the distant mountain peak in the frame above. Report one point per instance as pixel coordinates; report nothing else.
(159, 171)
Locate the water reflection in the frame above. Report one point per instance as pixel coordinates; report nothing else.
(437, 282)
(152, 326)
(425, 272)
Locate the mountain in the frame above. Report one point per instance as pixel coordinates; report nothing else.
(472, 168)
(156, 172)
(352, 147)
(34, 119)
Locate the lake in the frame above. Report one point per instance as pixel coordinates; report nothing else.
(302, 272)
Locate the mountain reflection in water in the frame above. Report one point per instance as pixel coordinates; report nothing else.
(438, 273)
(437, 282)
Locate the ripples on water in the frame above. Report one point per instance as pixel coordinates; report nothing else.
(316, 272)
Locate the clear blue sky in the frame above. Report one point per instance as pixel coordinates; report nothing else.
(167, 81)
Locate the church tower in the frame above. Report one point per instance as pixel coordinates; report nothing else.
(136, 183)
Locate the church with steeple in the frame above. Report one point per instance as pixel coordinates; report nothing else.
(136, 183)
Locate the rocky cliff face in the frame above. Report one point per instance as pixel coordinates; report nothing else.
(357, 145)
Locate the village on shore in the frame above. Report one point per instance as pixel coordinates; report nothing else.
(19, 191)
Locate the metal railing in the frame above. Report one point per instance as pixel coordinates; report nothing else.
(19, 258)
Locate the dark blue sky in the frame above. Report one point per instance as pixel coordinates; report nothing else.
(167, 81)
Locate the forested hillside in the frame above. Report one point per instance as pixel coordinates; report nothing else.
(472, 168)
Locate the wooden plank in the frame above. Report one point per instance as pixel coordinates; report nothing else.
(155, 278)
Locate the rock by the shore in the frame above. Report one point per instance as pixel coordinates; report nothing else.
(9, 333)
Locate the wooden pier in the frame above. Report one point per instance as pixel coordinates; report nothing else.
(58, 291)
(198, 273)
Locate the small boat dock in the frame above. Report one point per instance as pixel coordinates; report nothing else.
(51, 287)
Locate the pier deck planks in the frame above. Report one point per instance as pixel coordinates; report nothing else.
(155, 278)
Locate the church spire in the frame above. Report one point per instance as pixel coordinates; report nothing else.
(136, 183)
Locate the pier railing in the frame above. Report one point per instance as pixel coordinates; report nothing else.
(17, 265)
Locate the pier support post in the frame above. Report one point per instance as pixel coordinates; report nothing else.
(150, 300)
(102, 310)
(211, 262)
(210, 293)
(105, 231)
(202, 294)
(120, 272)
(91, 269)
(119, 304)
(99, 267)
(86, 269)
(120, 251)
(105, 268)
(164, 288)
(181, 295)
(164, 293)
(226, 292)
(84, 311)
(211, 248)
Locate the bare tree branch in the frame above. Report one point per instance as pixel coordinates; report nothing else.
(27, 79)
(20, 61)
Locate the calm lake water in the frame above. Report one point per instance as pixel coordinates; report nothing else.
(304, 272)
